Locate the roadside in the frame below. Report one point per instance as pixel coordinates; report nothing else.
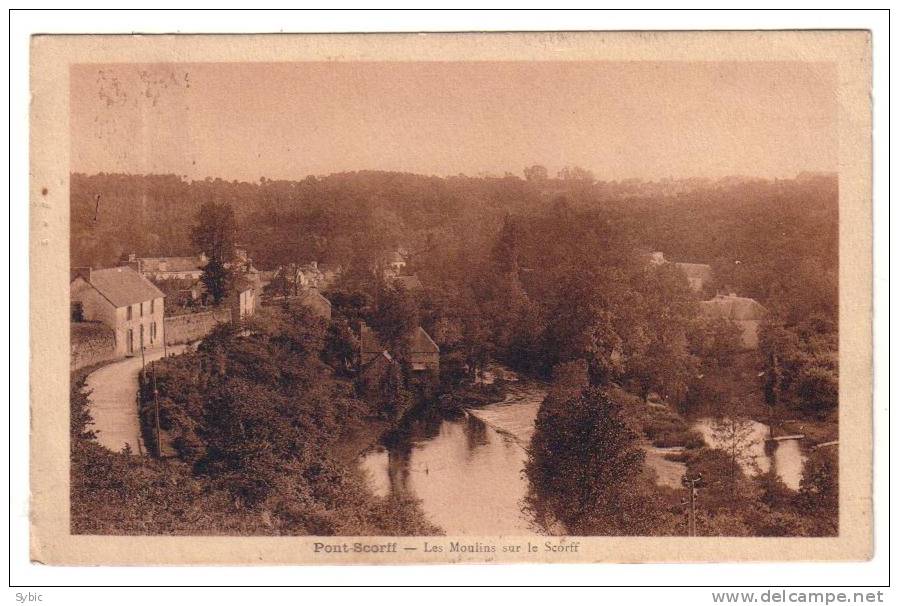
(112, 400)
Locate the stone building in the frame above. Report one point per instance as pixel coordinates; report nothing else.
(744, 312)
(123, 300)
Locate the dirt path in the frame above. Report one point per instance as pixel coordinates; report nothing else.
(113, 401)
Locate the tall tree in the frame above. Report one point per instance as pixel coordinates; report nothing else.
(215, 231)
(395, 317)
(214, 234)
(218, 279)
(585, 462)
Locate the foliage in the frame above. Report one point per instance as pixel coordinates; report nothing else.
(218, 280)
(819, 490)
(214, 234)
(715, 341)
(666, 429)
(801, 364)
(585, 466)
(214, 231)
(734, 434)
(394, 317)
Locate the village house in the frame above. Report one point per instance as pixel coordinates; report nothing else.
(745, 312)
(310, 276)
(169, 268)
(302, 277)
(698, 275)
(424, 353)
(393, 265)
(316, 302)
(126, 302)
(243, 298)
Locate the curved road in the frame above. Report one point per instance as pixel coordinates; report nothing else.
(113, 401)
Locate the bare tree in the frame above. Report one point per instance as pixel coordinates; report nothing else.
(734, 433)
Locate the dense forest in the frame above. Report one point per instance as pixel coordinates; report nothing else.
(774, 241)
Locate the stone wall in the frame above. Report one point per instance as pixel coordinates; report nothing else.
(187, 328)
(91, 343)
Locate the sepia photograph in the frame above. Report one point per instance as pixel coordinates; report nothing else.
(400, 306)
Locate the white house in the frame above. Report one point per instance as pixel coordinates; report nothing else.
(243, 297)
(126, 302)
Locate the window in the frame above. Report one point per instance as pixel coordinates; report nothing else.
(77, 311)
(152, 332)
(142, 309)
(128, 313)
(152, 306)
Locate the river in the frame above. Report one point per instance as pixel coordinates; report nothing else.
(468, 474)
(467, 471)
(786, 457)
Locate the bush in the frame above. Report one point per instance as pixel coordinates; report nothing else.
(667, 429)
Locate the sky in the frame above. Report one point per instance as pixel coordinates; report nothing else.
(646, 120)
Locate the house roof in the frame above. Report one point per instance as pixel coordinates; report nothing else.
(172, 264)
(244, 282)
(123, 286)
(311, 295)
(394, 257)
(369, 340)
(696, 270)
(410, 283)
(731, 307)
(423, 343)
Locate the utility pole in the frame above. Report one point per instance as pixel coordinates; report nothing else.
(156, 406)
(142, 363)
(691, 485)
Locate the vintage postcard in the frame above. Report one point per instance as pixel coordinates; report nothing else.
(438, 298)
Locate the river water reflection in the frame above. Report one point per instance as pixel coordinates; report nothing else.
(467, 471)
(786, 455)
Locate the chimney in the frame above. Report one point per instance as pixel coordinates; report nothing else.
(82, 272)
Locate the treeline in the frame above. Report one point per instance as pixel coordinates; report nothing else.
(776, 241)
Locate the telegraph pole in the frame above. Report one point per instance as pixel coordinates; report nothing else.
(156, 406)
(142, 363)
(691, 485)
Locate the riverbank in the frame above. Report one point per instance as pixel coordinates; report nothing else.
(740, 385)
